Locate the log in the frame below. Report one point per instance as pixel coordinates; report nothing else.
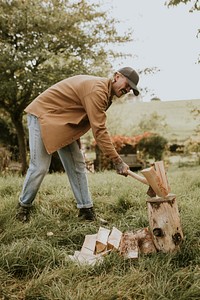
(129, 245)
(164, 222)
(145, 241)
(140, 241)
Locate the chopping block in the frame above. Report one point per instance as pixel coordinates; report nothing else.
(164, 223)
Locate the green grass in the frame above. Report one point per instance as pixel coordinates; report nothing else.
(34, 265)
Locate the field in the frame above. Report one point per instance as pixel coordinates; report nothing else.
(35, 265)
(124, 118)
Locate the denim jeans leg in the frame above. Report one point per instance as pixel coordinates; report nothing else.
(74, 165)
(39, 163)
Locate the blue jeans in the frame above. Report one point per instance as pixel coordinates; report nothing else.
(71, 158)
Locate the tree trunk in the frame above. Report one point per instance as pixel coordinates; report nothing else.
(17, 121)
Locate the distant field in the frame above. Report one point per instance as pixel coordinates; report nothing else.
(181, 123)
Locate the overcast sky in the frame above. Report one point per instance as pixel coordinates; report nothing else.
(164, 38)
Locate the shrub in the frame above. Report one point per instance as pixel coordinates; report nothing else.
(153, 146)
(123, 145)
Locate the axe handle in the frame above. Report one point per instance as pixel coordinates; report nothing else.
(138, 177)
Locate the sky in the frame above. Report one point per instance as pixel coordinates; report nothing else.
(163, 38)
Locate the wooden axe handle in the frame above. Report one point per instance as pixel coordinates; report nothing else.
(138, 177)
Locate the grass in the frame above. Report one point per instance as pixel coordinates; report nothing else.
(176, 113)
(34, 265)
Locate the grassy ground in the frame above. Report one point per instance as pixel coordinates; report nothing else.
(34, 265)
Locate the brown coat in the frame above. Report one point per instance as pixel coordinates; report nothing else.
(68, 109)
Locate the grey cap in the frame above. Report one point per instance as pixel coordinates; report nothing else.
(132, 77)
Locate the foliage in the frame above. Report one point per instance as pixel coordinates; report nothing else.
(120, 141)
(155, 99)
(192, 147)
(153, 146)
(124, 145)
(195, 3)
(35, 265)
(152, 122)
(196, 114)
(42, 42)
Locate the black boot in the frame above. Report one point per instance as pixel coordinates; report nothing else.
(89, 214)
(23, 213)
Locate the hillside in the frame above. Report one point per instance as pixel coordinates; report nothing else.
(178, 116)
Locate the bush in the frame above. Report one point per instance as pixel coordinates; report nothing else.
(123, 145)
(153, 146)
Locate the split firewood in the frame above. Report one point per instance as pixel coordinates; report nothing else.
(102, 239)
(114, 239)
(157, 179)
(84, 258)
(89, 244)
(160, 170)
(129, 245)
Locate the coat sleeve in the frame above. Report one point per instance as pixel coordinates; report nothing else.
(95, 105)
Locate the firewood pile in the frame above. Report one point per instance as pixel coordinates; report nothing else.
(128, 244)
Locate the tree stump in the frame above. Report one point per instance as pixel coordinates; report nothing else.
(164, 222)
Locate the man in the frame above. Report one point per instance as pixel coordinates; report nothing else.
(57, 119)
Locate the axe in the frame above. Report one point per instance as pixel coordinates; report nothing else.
(142, 179)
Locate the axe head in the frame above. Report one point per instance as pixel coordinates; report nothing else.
(151, 192)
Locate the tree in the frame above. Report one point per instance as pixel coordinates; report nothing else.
(195, 3)
(155, 99)
(42, 42)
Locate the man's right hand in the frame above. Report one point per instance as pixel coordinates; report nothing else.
(121, 167)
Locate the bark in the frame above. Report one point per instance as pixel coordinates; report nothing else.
(165, 223)
(18, 124)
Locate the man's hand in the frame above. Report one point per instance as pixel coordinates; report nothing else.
(121, 167)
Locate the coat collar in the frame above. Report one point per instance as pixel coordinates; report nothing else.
(109, 93)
